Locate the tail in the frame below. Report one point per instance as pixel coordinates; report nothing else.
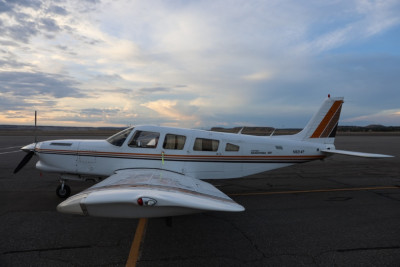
(323, 125)
(322, 129)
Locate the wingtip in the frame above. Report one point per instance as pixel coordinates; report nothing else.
(72, 205)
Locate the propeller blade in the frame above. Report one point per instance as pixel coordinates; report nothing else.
(24, 161)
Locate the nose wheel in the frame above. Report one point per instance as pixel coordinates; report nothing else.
(63, 190)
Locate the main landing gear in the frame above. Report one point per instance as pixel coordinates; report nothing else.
(63, 190)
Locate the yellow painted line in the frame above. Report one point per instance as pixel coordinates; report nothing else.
(137, 241)
(315, 191)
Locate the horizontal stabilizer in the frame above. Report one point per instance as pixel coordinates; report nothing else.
(139, 193)
(355, 154)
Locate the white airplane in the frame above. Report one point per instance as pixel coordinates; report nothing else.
(153, 171)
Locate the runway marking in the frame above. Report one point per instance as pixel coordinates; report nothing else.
(15, 151)
(142, 225)
(4, 148)
(137, 241)
(315, 191)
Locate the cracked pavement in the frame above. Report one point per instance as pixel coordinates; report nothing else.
(334, 228)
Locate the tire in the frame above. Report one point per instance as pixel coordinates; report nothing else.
(63, 193)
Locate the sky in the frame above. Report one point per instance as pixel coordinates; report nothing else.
(197, 64)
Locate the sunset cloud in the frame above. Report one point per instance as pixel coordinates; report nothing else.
(197, 63)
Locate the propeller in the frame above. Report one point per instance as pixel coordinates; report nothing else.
(30, 149)
(24, 161)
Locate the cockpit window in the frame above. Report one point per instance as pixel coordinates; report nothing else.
(145, 139)
(119, 138)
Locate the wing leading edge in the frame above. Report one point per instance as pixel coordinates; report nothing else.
(138, 193)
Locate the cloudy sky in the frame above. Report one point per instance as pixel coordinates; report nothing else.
(198, 63)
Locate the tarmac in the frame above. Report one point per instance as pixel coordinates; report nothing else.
(343, 211)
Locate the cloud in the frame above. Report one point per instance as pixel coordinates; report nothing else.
(28, 84)
(154, 90)
(21, 32)
(173, 110)
(93, 116)
(97, 111)
(384, 117)
(105, 115)
(10, 61)
(12, 104)
(20, 21)
(198, 62)
(49, 24)
(362, 20)
(58, 10)
(5, 7)
(8, 103)
(258, 76)
(11, 5)
(108, 78)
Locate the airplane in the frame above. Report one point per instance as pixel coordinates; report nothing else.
(154, 171)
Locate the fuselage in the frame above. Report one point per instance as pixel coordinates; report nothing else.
(196, 153)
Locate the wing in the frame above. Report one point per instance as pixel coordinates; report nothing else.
(138, 193)
(356, 154)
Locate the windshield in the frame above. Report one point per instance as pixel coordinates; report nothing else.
(119, 138)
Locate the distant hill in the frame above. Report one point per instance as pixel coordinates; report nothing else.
(369, 128)
(57, 130)
(107, 131)
(260, 131)
(264, 131)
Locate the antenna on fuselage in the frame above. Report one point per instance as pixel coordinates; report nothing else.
(272, 132)
(240, 132)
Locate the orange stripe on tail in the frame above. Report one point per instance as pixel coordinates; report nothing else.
(329, 122)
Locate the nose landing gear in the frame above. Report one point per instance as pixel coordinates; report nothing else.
(63, 190)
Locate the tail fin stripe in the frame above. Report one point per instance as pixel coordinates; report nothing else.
(332, 124)
(335, 109)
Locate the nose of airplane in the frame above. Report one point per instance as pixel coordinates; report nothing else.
(30, 150)
(29, 147)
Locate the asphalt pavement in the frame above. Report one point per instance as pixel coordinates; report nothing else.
(342, 211)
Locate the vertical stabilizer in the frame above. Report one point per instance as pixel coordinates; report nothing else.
(323, 125)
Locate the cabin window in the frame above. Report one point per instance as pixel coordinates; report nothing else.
(174, 141)
(231, 147)
(145, 139)
(119, 138)
(203, 144)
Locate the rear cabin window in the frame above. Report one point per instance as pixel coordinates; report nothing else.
(174, 141)
(145, 139)
(231, 147)
(203, 144)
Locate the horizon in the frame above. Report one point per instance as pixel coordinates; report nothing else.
(222, 127)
